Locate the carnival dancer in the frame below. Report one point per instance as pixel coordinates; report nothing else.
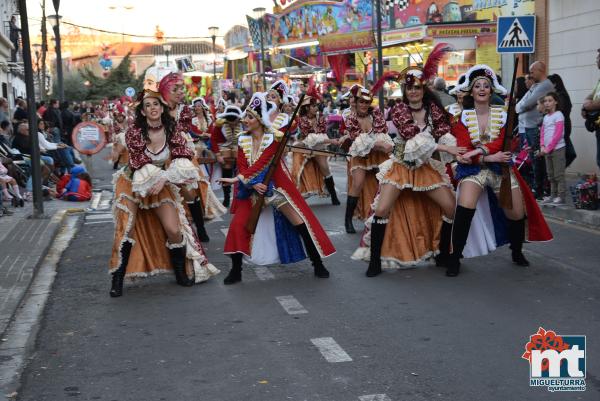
(371, 144)
(455, 109)
(286, 219)
(120, 157)
(152, 232)
(278, 94)
(221, 104)
(311, 174)
(171, 88)
(479, 224)
(223, 141)
(413, 212)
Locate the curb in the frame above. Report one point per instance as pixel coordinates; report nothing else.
(569, 215)
(19, 336)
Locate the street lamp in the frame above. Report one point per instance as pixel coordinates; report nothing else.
(36, 48)
(259, 13)
(213, 31)
(167, 49)
(55, 22)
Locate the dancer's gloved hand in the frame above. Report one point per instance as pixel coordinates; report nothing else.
(260, 188)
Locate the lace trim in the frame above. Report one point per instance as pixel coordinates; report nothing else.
(362, 145)
(175, 246)
(182, 170)
(447, 140)
(419, 148)
(145, 178)
(313, 140)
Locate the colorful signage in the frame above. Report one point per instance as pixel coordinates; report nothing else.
(88, 138)
(460, 30)
(405, 35)
(347, 42)
(421, 12)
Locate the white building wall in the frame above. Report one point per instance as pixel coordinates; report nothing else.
(573, 32)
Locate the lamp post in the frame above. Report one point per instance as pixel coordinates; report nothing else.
(213, 31)
(259, 13)
(37, 47)
(167, 49)
(55, 22)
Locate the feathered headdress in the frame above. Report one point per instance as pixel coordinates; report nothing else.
(416, 75)
(281, 88)
(166, 83)
(231, 112)
(312, 90)
(481, 71)
(261, 108)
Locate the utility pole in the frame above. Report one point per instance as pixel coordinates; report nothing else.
(43, 92)
(379, 52)
(36, 168)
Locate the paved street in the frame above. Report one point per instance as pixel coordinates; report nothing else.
(284, 335)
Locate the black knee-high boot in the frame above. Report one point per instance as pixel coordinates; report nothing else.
(198, 217)
(116, 289)
(445, 237)
(460, 232)
(516, 237)
(235, 274)
(227, 173)
(377, 235)
(331, 189)
(178, 256)
(313, 253)
(351, 203)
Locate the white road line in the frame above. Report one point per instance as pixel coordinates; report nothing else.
(98, 222)
(101, 216)
(224, 231)
(216, 219)
(291, 305)
(263, 273)
(374, 397)
(330, 350)
(95, 200)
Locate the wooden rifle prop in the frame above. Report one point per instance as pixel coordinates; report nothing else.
(260, 198)
(505, 189)
(314, 152)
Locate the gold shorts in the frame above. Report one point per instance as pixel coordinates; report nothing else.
(276, 200)
(487, 177)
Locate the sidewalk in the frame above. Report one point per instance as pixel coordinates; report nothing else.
(569, 214)
(23, 244)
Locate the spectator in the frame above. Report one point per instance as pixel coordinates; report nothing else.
(592, 104)
(54, 118)
(531, 119)
(68, 119)
(3, 109)
(328, 109)
(58, 151)
(564, 100)
(552, 147)
(14, 37)
(22, 143)
(5, 134)
(41, 109)
(7, 181)
(20, 113)
(439, 88)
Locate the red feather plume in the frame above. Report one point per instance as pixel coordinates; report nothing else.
(390, 75)
(312, 90)
(430, 68)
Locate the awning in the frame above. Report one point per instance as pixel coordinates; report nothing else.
(236, 55)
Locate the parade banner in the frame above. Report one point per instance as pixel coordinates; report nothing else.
(347, 42)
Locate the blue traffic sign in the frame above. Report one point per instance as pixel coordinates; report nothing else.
(130, 91)
(516, 34)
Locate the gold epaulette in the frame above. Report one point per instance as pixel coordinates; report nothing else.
(220, 122)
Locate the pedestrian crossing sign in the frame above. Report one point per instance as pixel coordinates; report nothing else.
(516, 34)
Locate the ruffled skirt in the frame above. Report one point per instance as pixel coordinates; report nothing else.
(149, 254)
(307, 176)
(413, 231)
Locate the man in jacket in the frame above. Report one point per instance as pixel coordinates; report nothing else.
(53, 117)
(592, 103)
(532, 118)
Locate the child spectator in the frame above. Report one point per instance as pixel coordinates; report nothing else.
(552, 147)
(6, 181)
(76, 186)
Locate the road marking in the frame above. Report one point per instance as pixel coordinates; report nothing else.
(263, 273)
(101, 216)
(291, 305)
(224, 231)
(330, 350)
(374, 397)
(96, 200)
(98, 222)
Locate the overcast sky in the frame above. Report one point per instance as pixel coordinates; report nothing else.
(175, 17)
